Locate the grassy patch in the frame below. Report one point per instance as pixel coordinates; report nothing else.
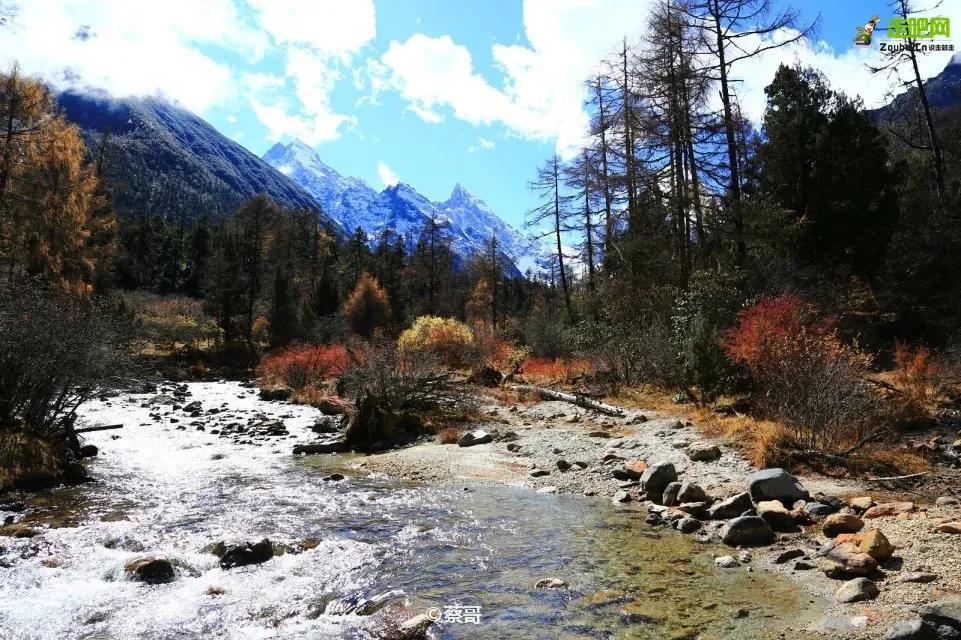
(22, 453)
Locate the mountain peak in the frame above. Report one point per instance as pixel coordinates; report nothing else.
(297, 143)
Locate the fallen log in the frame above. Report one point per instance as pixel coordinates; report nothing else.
(907, 477)
(579, 400)
(105, 427)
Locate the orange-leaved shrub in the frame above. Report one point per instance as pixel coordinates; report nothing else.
(300, 366)
(811, 380)
(447, 339)
(915, 375)
(551, 370)
(368, 307)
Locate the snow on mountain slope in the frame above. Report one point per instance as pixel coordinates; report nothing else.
(468, 221)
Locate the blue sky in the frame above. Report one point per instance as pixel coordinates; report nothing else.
(430, 92)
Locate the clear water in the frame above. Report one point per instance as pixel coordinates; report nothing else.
(380, 548)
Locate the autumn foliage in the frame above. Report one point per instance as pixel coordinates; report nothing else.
(552, 370)
(368, 306)
(915, 376)
(448, 339)
(811, 380)
(300, 366)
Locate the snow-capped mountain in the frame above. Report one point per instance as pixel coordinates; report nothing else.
(468, 221)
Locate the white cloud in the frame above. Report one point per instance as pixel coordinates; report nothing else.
(482, 143)
(386, 174)
(331, 27)
(232, 119)
(134, 47)
(319, 39)
(539, 93)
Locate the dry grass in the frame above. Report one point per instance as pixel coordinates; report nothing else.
(767, 443)
(21, 453)
(448, 435)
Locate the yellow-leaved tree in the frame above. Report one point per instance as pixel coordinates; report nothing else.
(368, 306)
(51, 210)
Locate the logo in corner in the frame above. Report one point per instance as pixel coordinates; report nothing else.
(863, 36)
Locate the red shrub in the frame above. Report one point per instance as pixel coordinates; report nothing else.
(811, 380)
(299, 366)
(548, 370)
(914, 374)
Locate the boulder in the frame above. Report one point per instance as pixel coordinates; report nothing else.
(838, 523)
(331, 406)
(703, 452)
(669, 497)
(471, 438)
(889, 509)
(326, 425)
(818, 509)
(248, 553)
(875, 544)
(692, 492)
(911, 630)
(857, 590)
(747, 531)
(846, 561)
(275, 393)
(656, 478)
(949, 527)
(726, 562)
(337, 446)
(947, 501)
(776, 484)
(551, 583)
(779, 518)
(731, 507)
(946, 612)
(916, 576)
(18, 530)
(687, 525)
(695, 509)
(621, 496)
(150, 570)
(635, 469)
(787, 556)
(88, 451)
(413, 629)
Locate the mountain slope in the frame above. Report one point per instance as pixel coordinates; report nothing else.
(943, 92)
(163, 159)
(468, 221)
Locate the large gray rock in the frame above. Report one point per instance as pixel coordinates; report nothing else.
(857, 590)
(669, 498)
(248, 553)
(776, 484)
(692, 492)
(703, 452)
(656, 478)
(747, 531)
(731, 507)
(478, 436)
(946, 612)
(911, 630)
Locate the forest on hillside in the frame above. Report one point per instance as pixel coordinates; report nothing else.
(800, 272)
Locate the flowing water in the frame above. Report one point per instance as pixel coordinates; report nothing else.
(357, 550)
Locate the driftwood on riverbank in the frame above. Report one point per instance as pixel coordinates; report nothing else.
(105, 427)
(579, 400)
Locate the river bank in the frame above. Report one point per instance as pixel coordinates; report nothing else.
(205, 466)
(551, 446)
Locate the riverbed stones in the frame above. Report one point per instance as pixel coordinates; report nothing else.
(747, 531)
(943, 613)
(551, 583)
(539, 473)
(731, 507)
(818, 509)
(888, 509)
(476, 437)
(779, 518)
(337, 446)
(787, 556)
(669, 497)
(875, 544)
(562, 464)
(838, 523)
(150, 570)
(847, 561)
(703, 452)
(413, 629)
(949, 527)
(656, 478)
(687, 525)
(692, 492)
(861, 503)
(247, 553)
(857, 590)
(776, 484)
(726, 562)
(920, 577)
(19, 530)
(947, 501)
(621, 496)
(911, 630)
